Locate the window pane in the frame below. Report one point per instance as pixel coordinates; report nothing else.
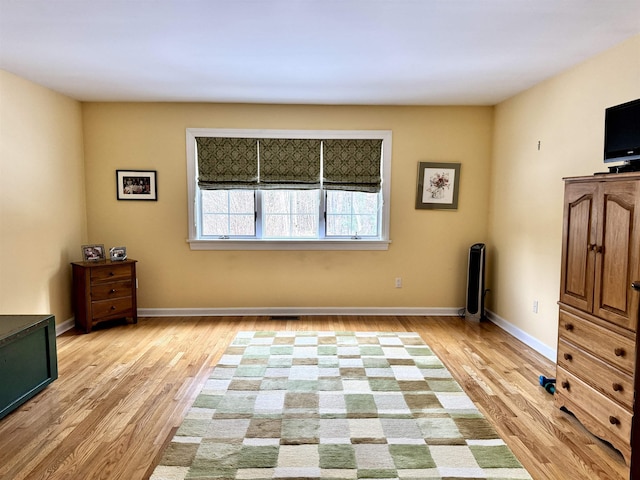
(276, 226)
(339, 202)
(241, 201)
(304, 226)
(228, 212)
(242, 224)
(365, 225)
(365, 203)
(339, 225)
(352, 213)
(215, 201)
(215, 224)
(275, 201)
(290, 213)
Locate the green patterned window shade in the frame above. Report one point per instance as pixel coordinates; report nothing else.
(227, 163)
(352, 164)
(287, 163)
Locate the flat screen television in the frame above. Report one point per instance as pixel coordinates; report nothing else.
(622, 135)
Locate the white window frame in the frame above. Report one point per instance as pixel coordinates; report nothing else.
(197, 243)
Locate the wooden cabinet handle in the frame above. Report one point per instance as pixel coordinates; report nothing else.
(567, 356)
(568, 327)
(617, 387)
(565, 385)
(619, 352)
(613, 420)
(635, 285)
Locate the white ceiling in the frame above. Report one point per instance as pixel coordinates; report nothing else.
(401, 52)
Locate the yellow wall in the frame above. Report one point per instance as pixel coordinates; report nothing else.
(42, 197)
(566, 115)
(48, 143)
(429, 249)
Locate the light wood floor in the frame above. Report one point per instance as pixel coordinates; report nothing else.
(123, 390)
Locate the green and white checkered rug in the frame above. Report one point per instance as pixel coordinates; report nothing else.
(334, 405)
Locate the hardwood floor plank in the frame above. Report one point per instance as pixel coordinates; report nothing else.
(122, 392)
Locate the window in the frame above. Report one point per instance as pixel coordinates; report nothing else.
(266, 189)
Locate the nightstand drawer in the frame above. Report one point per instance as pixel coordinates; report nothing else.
(110, 273)
(116, 308)
(614, 349)
(601, 376)
(107, 291)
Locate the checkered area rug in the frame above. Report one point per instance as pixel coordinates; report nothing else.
(334, 405)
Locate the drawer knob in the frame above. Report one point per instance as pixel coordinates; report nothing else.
(619, 352)
(113, 290)
(113, 307)
(613, 420)
(111, 274)
(568, 327)
(635, 285)
(565, 385)
(617, 387)
(567, 356)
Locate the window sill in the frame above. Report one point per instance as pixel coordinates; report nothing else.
(289, 244)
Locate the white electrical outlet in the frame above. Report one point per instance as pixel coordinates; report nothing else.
(535, 306)
(398, 282)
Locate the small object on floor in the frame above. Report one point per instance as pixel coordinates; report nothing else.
(549, 384)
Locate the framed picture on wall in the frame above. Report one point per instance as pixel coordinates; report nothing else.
(136, 185)
(437, 185)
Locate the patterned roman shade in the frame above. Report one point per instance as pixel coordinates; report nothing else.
(227, 163)
(352, 165)
(287, 163)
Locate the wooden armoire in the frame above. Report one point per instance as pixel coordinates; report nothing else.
(599, 297)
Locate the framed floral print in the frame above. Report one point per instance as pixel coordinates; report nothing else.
(438, 185)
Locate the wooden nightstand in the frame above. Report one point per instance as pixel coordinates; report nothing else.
(103, 291)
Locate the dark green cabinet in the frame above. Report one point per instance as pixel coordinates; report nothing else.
(28, 358)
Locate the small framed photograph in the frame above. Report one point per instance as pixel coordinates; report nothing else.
(93, 253)
(118, 254)
(136, 184)
(438, 185)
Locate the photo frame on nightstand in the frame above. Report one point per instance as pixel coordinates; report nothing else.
(118, 254)
(93, 253)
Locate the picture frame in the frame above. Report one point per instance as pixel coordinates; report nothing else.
(93, 253)
(118, 254)
(437, 186)
(137, 185)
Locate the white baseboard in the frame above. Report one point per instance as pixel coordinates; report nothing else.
(523, 336)
(293, 311)
(65, 326)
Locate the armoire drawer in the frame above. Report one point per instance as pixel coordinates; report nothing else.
(611, 347)
(605, 418)
(610, 381)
